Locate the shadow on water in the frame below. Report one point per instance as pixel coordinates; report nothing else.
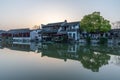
(91, 57)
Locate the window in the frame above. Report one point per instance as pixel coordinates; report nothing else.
(70, 34)
(74, 35)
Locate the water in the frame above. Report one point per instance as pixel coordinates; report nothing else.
(37, 61)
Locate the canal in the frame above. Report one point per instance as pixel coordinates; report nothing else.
(38, 61)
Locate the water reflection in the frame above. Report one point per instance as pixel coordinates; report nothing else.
(91, 57)
(86, 55)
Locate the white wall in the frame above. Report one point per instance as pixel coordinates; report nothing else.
(35, 34)
(73, 35)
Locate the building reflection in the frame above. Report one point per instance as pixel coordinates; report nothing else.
(91, 57)
(15, 46)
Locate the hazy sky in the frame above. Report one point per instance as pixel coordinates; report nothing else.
(27, 13)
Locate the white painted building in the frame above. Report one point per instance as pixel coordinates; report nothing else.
(73, 31)
(35, 35)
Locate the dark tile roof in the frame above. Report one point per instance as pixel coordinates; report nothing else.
(73, 23)
(114, 30)
(62, 24)
(19, 30)
(52, 24)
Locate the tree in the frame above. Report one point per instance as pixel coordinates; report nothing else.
(94, 22)
(36, 27)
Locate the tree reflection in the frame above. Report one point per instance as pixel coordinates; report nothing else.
(94, 60)
(86, 55)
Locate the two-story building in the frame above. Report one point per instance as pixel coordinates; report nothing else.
(50, 30)
(20, 35)
(72, 29)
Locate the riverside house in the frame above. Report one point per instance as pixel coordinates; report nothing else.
(71, 29)
(94, 36)
(57, 31)
(21, 35)
(50, 30)
(16, 35)
(114, 36)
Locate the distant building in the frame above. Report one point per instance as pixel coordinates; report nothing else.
(116, 25)
(20, 35)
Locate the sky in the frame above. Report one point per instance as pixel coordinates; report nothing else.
(27, 13)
